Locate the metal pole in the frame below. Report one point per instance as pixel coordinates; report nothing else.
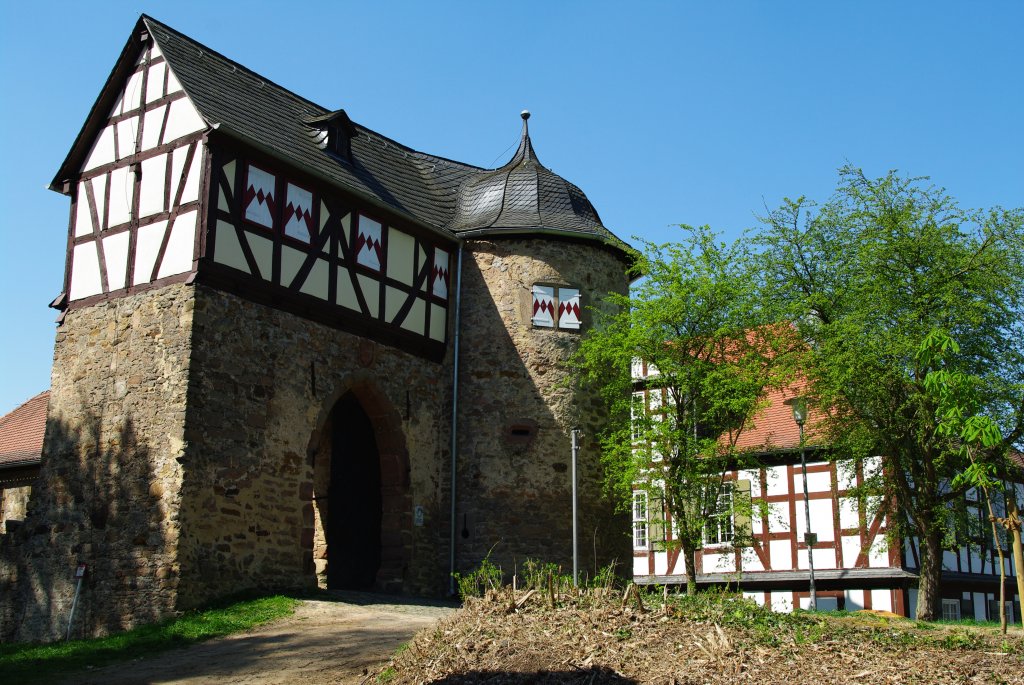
(575, 537)
(455, 420)
(74, 602)
(809, 538)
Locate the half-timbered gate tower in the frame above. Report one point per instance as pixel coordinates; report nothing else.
(265, 308)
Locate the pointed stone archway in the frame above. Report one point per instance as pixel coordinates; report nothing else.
(359, 524)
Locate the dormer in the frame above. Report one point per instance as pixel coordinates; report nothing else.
(336, 132)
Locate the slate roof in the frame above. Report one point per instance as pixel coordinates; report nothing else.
(21, 432)
(428, 189)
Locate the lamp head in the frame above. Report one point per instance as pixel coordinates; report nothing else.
(799, 407)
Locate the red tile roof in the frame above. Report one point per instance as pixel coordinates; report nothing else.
(21, 432)
(774, 427)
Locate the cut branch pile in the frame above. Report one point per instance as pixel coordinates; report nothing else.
(599, 636)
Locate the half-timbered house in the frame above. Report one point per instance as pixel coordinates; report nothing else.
(761, 549)
(293, 350)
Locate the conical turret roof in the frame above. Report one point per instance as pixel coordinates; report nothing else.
(523, 197)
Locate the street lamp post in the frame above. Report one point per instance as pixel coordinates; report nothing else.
(799, 405)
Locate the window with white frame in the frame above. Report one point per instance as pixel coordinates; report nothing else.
(639, 520)
(951, 610)
(556, 307)
(719, 528)
(636, 415)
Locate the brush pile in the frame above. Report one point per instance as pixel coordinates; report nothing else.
(603, 636)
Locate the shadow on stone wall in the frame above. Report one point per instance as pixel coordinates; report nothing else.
(98, 501)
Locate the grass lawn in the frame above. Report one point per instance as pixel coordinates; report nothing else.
(41, 663)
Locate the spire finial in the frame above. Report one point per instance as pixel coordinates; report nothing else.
(525, 114)
(525, 151)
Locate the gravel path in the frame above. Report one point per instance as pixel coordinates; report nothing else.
(340, 640)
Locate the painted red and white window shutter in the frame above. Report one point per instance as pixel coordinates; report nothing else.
(259, 201)
(543, 306)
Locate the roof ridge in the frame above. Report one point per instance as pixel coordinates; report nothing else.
(148, 19)
(11, 413)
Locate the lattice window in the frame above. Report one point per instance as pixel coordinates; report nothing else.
(951, 609)
(719, 528)
(640, 520)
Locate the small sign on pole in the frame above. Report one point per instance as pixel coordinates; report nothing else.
(80, 572)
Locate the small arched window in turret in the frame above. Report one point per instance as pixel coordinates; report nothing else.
(556, 307)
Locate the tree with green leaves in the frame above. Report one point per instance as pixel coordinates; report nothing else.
(695, 319)
(867, 276)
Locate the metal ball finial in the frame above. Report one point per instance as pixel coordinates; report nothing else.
(525, 114)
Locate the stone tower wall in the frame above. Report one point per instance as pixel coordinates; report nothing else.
(110, 476)
(514, 494)
(253, 506)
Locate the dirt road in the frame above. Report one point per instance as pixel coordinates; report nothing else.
(336, 641)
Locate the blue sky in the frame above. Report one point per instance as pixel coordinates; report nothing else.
(663, 113)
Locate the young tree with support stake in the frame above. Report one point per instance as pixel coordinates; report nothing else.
(866, 276)
(696, 318)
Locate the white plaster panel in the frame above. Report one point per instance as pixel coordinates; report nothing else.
(371, 293)
(227, 249)
(851, 550)
(749, 560)
(640, 566)
(948, 560)
(183, 120)
(401, 256)
(823, 558)
(755, 480)
(882, 599)
(155, 81)
(816, 482)
(415, 320)
(872, 466)
(152, 186)
(822, 603)
(173, 84)
(178, 255)
(102, 150)
(878, 557)
(822, 520)
(846, 474)
(154, 51)
(715, 562)
(291, 262)
(781, 555)
(115, 253)
(229, 175)
(83, 216)
(122, 194)
(127, 130)
(393, 301)
(660, 563)
(147, 246)
(778, 517)
(848, 513)
(153, 121)
(191, 190)
(346, 293)
(316, 283)
(85, 271)
(132, 98)
(346, 227)
(778, 482)
(757, 597)
(854, 600)
(437, 322)
(263, 252)
(782, 602)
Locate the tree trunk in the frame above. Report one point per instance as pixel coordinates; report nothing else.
(1013, 516)
(690, 554)
(929, 599)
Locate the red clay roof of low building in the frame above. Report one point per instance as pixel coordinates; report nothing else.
(774, 427)
(21, 432)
